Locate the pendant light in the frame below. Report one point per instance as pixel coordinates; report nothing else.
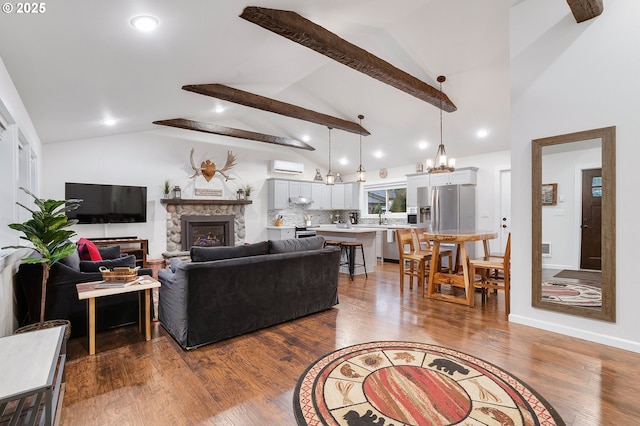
(331, 178)
(361, 173)
(440, 163)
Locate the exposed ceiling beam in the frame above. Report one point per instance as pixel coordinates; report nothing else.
(252, 100)
(200, 126)
(301, 30)
(583, 10)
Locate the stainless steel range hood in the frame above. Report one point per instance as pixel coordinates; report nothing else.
(300, 200)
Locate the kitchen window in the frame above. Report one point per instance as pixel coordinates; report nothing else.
(386, 199)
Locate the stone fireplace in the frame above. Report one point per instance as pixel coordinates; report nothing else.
(204, 217)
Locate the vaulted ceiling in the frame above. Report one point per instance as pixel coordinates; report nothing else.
(81, 62)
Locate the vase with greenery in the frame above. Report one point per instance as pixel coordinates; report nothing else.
(47, 232)
(247, 191)
(166, 188)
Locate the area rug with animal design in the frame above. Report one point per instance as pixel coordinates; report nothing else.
(572, 293)
(404, 383)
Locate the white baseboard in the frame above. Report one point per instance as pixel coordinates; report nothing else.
(579, 333)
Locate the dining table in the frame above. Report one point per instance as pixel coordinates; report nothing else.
(459, 276)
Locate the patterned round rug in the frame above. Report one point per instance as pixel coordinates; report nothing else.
(570, 293)
(404, 383)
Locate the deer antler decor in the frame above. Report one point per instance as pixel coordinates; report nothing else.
(208, 169)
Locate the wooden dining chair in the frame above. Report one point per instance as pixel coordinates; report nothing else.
(412, 262)
(423, 245)
(494, 273)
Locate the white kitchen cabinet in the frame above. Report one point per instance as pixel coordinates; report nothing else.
(337, 197)
(327, 195)
(466, 176)
(321, 196)
(380, 236)
(281, 232)
(278, 194)
(351, 196)
(300, 189)
(413, 183)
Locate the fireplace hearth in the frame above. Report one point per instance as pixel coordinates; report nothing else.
(207, 231)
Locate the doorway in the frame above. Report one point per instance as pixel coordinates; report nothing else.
(591, 220)
(505, 207)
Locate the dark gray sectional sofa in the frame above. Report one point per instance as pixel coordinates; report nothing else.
(229, 291)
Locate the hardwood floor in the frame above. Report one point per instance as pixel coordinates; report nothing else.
(249, 380)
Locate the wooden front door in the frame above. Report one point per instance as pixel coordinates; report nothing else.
(590, 246)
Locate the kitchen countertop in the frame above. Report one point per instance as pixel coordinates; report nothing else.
(388, 226)
(352, 230)
(373, 227)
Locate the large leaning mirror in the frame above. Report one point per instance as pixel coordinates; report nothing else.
(574, 223)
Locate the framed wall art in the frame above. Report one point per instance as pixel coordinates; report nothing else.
(549, 194)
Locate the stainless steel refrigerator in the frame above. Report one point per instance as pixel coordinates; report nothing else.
(447, 207)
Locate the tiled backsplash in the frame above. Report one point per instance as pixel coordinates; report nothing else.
(295, 216)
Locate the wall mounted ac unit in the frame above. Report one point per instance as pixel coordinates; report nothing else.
(288, 167)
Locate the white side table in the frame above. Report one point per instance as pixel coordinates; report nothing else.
(32, 371)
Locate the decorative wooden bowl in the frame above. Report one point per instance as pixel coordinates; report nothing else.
(119, 273)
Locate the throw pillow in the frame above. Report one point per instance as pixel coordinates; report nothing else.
(72, 261)
(110, 252)
(204, 254)
(124, 261)
(87, 250)
(296, 244)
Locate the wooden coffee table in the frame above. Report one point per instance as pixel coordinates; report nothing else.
(89, 292)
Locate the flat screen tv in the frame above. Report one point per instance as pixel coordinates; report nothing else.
(107, 203)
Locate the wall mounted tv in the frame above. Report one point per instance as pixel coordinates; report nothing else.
(107, 203)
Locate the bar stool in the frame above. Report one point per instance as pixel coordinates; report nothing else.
(344, 255)
(351, 247)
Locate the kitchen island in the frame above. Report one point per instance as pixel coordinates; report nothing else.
(367, 236)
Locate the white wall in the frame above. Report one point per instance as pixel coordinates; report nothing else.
(18, 123)
(568, 77)
(148, 158)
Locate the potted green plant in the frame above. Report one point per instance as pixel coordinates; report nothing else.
(47, 232)
(166, 188)
(247, 191)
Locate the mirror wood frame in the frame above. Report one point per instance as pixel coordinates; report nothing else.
(608, 137)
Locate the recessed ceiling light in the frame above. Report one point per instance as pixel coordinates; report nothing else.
(219, 109)
(306, 138)
(378, 154)
(144, 23)
(482, 133)
(423, 145)
(109, 122)
(343, 161)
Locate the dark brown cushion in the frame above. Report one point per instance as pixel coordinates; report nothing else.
(205, 254)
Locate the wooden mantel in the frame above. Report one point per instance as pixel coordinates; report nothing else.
(172, 201)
